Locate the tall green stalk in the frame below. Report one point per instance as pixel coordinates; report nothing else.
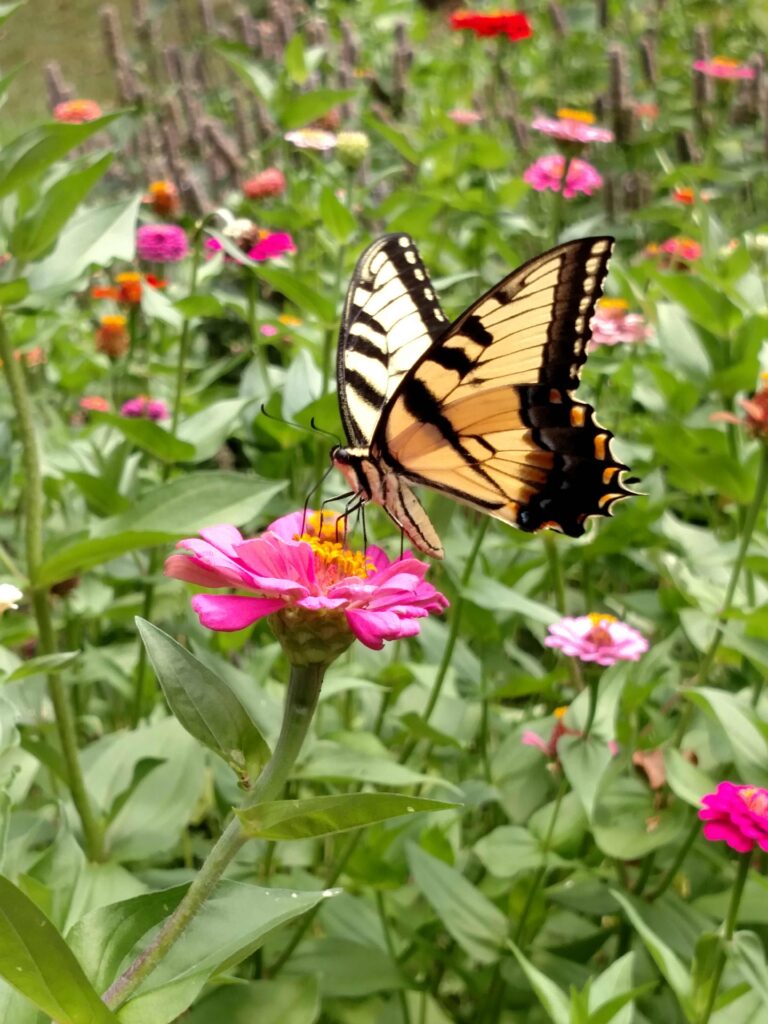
(728, 930)
(300, 704)
(93, 832)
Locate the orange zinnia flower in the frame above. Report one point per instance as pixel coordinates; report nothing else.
(112, 336)
(77, 111)
(163, 197)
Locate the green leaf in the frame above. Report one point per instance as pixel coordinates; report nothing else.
(204, 704)
(33, 235)
(552, 998)
(301, 108)
(105, 937)
(475, 923)
(394, 137)
(510, 849)
(686, 780)
(35, 959)
(12, 292)
(748, 956)
(169, 512)
(737, 721)
(283, 1000)
(295, 288)
(666, 959)
(294, 59)
(94, 236)
(232, 924)
(45, 663)
(199, 305)
(681, 345)
(208, 429)
(627, 824)
(148, 436)
(494, 596)
(248, 71)
(6, 10)
(336, 217)
(34, 152)
(584, 762)
(346, 968)
(327, 815)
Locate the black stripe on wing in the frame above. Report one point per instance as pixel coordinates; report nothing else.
(391, 317)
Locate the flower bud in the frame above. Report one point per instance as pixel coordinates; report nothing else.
(352, 147)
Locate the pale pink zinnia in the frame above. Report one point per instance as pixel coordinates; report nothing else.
(596, 637)
(613, 325)
(161, 243)
(572, 126)
(547, 173)
(311, 138)
(736, 815)
(723, 67)
(301, 562)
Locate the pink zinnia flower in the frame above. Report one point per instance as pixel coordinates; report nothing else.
(572, 126)
(613, 325)
(549, 747)
(77, 111)
(723, 67)
(269, 246)
(269, 182)
(161, 243)
(268, 330)
(464, 116)
(311, 138)
(681, 248)
(547, 173)
(597, 637)
(142, 407)
(756, 409)
(302, 565)
(736, 815)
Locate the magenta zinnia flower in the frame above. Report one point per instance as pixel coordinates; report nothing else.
(723, 67)
(142, 407)
(301, 567)
(278, 243)
(547, 173)
(572, 126)
(736, 815)
(597, 637)
(161, 243)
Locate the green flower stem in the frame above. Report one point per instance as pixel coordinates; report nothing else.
(186, 327)
(154, 559)
(300, 703)
(542, 871)
(669, 876)
(401, 996)
(594, 692)
(749, 526)
(33, 525)
(555, 570)
(729, 928)
(453, 634)
(559, 199)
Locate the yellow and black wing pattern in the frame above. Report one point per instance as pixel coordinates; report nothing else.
(485, 414)
(391, 317)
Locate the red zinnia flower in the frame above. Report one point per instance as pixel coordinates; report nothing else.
(513, 24)
(77, 111)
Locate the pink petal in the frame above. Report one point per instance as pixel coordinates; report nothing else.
(229, 613)
(532, 739)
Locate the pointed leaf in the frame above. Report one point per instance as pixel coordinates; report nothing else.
(35, 959)
(204, 704)
(149, 436)
(552, 998)
(301, 108)
(327, 815)
(475, 923)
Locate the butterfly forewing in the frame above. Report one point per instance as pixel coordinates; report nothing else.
(486, 413)
(391, 317)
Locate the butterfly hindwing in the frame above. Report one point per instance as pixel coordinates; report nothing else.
(486, 415)
(391, 317)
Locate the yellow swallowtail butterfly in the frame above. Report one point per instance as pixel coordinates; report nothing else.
(481, 408)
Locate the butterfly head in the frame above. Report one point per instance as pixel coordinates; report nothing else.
(352, 464)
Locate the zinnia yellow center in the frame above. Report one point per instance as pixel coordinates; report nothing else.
(324, 533)
(600, 633)
(725, 62)
(612, 305)
(113, 323)
(755, 799)
(128, 277)
(567, 114)
(600, 618)
(560, 712)
(289, 320)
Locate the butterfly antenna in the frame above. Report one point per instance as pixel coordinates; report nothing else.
(327, 433)
(314, 490)
(312, 429)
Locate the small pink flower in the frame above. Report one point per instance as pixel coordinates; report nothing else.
(77, 111)
(547, 173)
(613, 325)
(161, 243)
(549, 747)
(681, 248)
(572, 126)
(267, 183)
(271, 246)
(268, 330)
(465, 116)
(142, 407)
(736, 815)
(311, 138)
(723, 67)
(596, 637)
(302, 563)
